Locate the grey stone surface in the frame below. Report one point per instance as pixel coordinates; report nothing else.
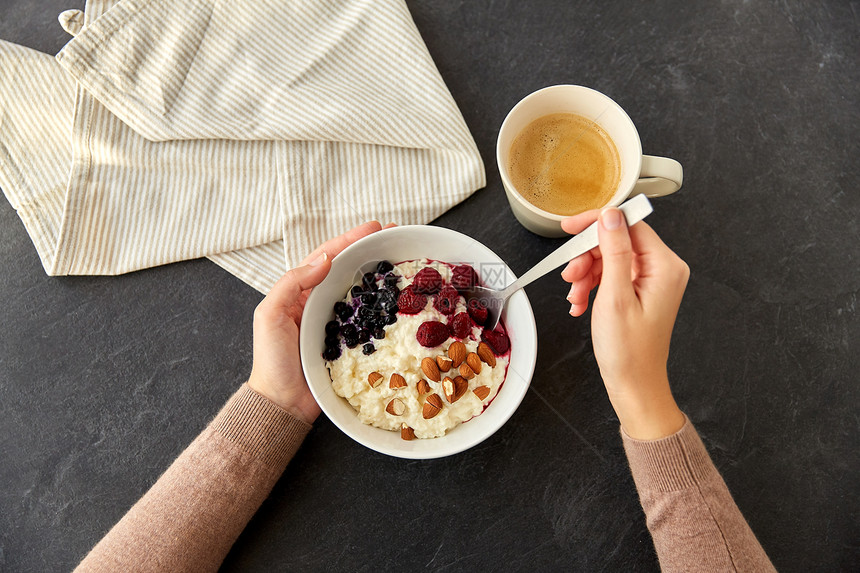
(104, 380)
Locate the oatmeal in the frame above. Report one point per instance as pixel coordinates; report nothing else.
(410, 354)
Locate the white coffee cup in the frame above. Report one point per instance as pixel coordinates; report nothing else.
(647, 174)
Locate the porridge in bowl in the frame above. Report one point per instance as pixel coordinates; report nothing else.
(410, 353)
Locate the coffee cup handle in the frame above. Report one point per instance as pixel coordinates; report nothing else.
(659, 176)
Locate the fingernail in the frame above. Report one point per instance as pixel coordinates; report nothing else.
(570, 294)
(319, 260)
(611, 219)
(570, 312)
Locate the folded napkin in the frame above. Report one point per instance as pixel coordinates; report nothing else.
(244, 132)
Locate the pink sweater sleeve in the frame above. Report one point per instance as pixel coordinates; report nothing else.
(195, 511)
(690, 513)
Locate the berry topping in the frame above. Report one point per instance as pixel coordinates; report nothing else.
(463, 277)
(332, 341)
(497, 340)
(379, 333)
(432, 333)
(368, 349)
(342, 310)
(446, 301)
(477, 310)
(363, 336)
(428, 281)
(331, 353)
(365, 313)
(411, 302)
(384, 267)
(387, 297)
(332, 328)
(461, 325)
(391, 318)
(368, 281)
(391, 280)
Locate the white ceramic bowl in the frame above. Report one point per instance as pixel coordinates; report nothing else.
(396, 245)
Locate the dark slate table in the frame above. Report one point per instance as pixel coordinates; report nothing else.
(104, 380)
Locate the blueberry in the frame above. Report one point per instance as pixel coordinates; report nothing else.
(369, 281)
(332, 341)
(385, 296)
(393, 310)
(348, 330)
(391, 280)
(368, 298)
(384, 267)
(366, 312)
(391, 318)
(332, 353)
(379, 333)
(363, 335)
(342, 310)
(332, 328)
(351, 341)
(368, 349)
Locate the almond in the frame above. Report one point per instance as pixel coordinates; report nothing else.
(486, 354)
(431, 369)
(474, 362)
(457, 353)
(443, 363)
(397, 381)
(454, 389)
(460, 385)
(466, 371)
(482, 392)
(406, 432)
(423, 387)
(449, 390)
(396, 407)
(374, 378)
(432, 406)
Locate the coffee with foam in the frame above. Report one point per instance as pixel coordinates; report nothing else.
(565, 164)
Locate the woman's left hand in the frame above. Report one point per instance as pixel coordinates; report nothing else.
(277, 369)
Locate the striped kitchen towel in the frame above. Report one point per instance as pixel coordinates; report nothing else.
(244, 132)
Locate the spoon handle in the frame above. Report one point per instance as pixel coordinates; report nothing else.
(634, 210)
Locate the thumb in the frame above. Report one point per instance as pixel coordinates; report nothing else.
(616, 250)
(289, 287)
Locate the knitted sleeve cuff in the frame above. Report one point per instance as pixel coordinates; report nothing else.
(260, 427)
(672, 463)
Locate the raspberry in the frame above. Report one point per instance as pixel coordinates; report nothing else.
(477, 310)
(410, 302)
(432, 333)
(446, 301)
(463, 277)
(461, 325)
(497, 340)
(428, 281)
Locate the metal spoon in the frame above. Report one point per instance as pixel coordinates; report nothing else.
(634, 211)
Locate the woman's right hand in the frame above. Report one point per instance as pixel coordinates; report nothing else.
(641, 283)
